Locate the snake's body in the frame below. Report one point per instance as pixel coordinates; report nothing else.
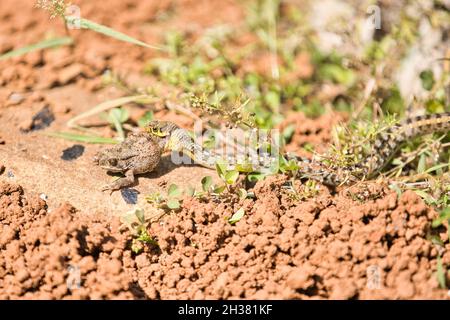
(172, 137)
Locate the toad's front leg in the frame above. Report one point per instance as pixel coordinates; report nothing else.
(120, 183)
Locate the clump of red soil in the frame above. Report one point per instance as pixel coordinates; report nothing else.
(315, 132)
(42, 252)
(329, 246)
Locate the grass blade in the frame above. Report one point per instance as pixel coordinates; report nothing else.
(106, 106)
(88, 24)
(81, 138)
(440, 273)
(437, 167)
(45, 44)
(425, 196)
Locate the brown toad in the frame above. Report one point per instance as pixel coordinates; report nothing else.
(139, 153)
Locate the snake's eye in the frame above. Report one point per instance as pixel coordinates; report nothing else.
(158, 132)
(113, 162)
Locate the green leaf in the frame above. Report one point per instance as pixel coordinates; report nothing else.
(87, 24)
(421, 167)
(255, 177)
(81, 138)
(140, 215)
(174, 191)
(120, 114)
(231, 176)
(237, 216)
(116, 117)
(435, 106)
(146, 118)
(154, 198)
(221, 169)
(393, 103)
(397, 189)
(308, 147)
(244, 167)
(440, 273)
(242, 193)
(288, 132)
(174, 41)
(425, 196)
(173, 204)
(273, 100)
(443, 215)
(219, 190)
(338, 74)
(56, 42)
(437, 167)
(129, 219)
(206, 183)
(427, 78)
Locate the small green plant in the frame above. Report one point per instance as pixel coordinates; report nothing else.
(136, 222)
(56, 8)
(234, 114)
(444, 215)
(117, 117)
(354, 142)
(228, 176)
(208, 189)
(308, 190)
(171, 200)
(59, 8)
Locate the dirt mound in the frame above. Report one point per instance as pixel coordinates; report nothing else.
(312, 132)
(330, 247)
(42, 252)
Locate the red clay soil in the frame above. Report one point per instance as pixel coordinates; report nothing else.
(327, 247)
(315, 132)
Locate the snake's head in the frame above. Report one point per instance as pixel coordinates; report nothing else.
(158, 128)
(161, 130)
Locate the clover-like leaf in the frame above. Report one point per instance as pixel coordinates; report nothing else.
(173, 204)
(242, 193)
(237, 216)
(219, 190)
(174, 191)
(140, 215)
(221, 169)
(206, 183)
(231, 176)
(120, 114)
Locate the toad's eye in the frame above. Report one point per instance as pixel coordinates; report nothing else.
(113, 162)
